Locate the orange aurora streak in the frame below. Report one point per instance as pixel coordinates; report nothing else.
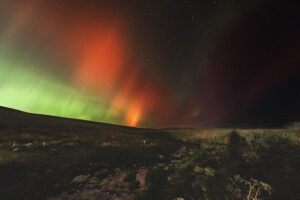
(133, 100)
(134, 114)
(101, 66)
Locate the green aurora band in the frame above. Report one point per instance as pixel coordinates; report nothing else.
(27, 89)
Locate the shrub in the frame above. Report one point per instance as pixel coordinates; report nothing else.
(294, 125)
(252, 168)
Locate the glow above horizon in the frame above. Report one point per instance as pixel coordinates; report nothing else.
(82, 77)
(152, 64)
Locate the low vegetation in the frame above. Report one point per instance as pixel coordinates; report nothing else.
(53, 158)
(252, 167)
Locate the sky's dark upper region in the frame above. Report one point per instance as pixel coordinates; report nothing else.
(153, 63)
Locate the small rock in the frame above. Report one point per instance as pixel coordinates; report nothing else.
(44, 144)
(17, 149)
(104, 181)
(177, 155)
(162, 157)
(71, 144)
(175, 161)
(56, 142)
(94, 180)
(29, 145)
(80, 179)
(15, 145)
(105, 144)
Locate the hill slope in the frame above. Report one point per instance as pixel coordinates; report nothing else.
(40, 155)
(44, 157)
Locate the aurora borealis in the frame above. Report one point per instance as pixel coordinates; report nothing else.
(152, 63)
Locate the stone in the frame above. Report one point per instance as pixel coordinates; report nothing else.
(44, 144)
(80, 179)
(29, 145)
(17, 149)
(162, 157)
(71, 144)
(94, 180)
(105, 144)
(15, 145)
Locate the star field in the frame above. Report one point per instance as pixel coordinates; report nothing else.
(152, 63)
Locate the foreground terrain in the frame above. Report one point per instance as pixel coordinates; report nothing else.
(44, 157)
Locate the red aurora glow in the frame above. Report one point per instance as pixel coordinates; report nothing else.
(100, 52)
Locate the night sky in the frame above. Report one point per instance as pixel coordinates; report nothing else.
(153, 63)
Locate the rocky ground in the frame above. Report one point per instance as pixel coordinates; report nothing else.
(51, 158)
(112, 187)
(123, 185)
(91, 179)
(66, 169)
